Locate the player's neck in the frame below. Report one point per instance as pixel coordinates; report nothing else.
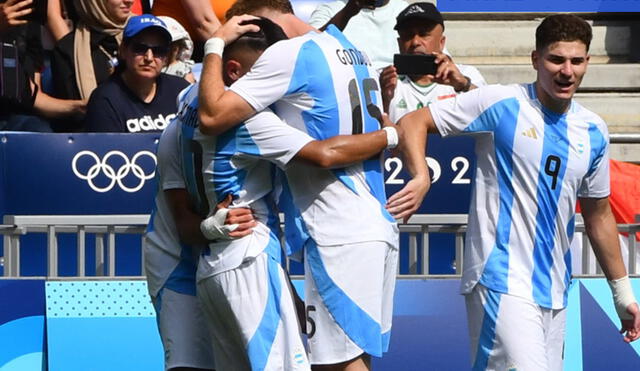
(297, 27)
(559, 106)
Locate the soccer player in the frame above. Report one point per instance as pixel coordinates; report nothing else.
(244, 290)
(537, 151)
(171, 247)
(321, 84)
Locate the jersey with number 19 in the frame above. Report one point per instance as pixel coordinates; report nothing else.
(532, 164)
(322, 85)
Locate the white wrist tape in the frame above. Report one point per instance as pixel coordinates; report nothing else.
(213, 227)
(622, 296)
(214, 45)
(392, 136)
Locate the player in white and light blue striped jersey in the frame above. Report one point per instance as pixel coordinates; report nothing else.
(324, 86)
(171, 245)
(241, 284)
(538, 151)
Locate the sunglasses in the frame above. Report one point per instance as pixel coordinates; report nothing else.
(141, 49)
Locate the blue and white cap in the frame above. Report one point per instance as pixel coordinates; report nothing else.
(137, 24)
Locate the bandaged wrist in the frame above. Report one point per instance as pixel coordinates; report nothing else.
(392, 136)
(622, 296)
(213, 227)
(214, 45)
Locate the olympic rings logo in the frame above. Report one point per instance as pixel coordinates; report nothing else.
(115, 176)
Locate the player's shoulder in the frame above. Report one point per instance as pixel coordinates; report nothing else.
(580, 113)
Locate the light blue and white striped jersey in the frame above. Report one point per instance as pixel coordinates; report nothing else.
(240, 162)
(532, 164)
(166, 259)
(322, 85)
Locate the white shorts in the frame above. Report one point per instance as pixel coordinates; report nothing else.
(252, 317)
(349, 299)
(511, 333)
(183, 331)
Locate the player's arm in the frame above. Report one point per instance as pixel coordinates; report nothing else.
(413, 145)
(601, 229)
(188, 223)
(220, 110)
(343, 150)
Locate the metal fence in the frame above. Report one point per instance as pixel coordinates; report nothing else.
(106, 227)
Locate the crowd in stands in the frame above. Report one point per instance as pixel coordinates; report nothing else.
(86, 75)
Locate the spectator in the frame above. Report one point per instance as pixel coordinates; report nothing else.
(370, 25)
(138, 97)
(86, 57)
(178, 61)
(420, 28)
(22, 101)
(197, 17)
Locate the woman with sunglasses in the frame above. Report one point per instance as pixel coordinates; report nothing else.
(138, 97)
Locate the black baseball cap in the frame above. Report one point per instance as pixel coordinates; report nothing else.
(423, 11)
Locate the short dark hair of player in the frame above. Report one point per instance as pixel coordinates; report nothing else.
(562, 27)
(251, 6)
(269, 34)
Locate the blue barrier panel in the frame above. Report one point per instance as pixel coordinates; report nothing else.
(102, 326)
(22, 325)
(111, 326)
(591, 6)
(95, 174)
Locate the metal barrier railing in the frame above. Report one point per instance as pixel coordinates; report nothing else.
(106, 227)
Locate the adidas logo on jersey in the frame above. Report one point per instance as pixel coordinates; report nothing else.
(531, 133)
(146, 123)
(402, 103)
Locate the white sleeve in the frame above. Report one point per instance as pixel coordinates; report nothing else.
(271, 139)
(473, 74)
(480, 107)
(270, 77)
(596, 183)
(324, 12)
(169, 165)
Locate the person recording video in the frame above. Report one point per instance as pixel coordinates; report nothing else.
(423, 73)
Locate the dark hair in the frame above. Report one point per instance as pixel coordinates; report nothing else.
(562, 27)
(251, 6)
(269, 34)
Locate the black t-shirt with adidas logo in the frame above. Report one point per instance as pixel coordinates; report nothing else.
(114, 108)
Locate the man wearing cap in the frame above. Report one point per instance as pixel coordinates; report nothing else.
(138, 97)
(421, 31)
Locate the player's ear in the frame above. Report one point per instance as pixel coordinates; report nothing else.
(233, 69)
(534, 59)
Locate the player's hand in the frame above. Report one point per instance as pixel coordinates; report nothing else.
(388, 82)
(12, 13)
(240, 216)
(448, 73)
(631, 327)
(233, 28)
(406, 202)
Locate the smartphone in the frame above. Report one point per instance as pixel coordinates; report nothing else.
(415, 64)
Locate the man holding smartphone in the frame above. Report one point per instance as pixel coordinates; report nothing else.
(420, 29)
